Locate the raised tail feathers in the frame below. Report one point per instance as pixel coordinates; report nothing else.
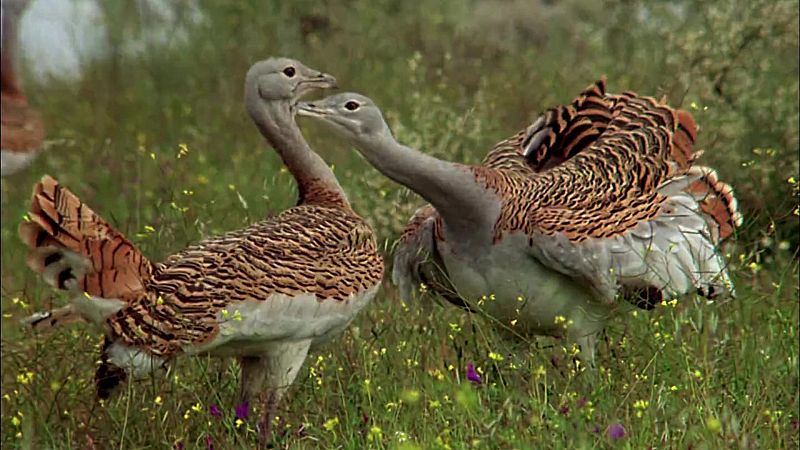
(563, 131)
(717, 202)
(683, 138)
(76, 250)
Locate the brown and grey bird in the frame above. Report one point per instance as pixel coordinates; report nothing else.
(265, 294)
(555, 136)
(22, 131)
(554, 238)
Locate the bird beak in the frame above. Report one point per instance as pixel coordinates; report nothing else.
(310, 109)
(324, 81)
(318, 81)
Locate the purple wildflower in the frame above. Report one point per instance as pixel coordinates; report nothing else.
(214, 411)
(616, 431)
(243, 410)
(472, 375)
(209, 443)
(178, 446)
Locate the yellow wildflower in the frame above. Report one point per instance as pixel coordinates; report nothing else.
(330, 424)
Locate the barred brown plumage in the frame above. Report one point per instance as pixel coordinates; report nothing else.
(59, 220)
(267, 258)
(596, 198)
(266, 293)
(554, 137)
(635, 154)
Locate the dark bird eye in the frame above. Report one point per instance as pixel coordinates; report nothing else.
(289, 71)
(351, 105)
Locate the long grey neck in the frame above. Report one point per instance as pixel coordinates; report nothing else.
(315, 180)
(465, 206)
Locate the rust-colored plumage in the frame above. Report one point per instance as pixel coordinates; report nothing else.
(717, 202)
(22, 130)
(318, 250)
(555, 136)
(597, 202)
(58, 222)
(265, 294)
(609, 188)
(621, 151)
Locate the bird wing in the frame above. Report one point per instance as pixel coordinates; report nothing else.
(555, 136)
(417, 261)
(632, 211)
(323, 253)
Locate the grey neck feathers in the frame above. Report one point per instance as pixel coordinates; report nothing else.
(315, 180)
(465, 206)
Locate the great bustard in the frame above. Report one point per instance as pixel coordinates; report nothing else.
(629, 214)
(22, 130)
(265, 293)
(555, 136)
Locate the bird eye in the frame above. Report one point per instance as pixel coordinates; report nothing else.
(289, 71)
(351, 105)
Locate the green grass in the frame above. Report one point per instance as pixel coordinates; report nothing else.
(693, 375)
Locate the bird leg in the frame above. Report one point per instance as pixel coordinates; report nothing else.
(275, 370)
(251, 380)
(588, 345)
(268, 410)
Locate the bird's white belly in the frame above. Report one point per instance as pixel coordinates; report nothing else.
(251, 328)
(510, 285)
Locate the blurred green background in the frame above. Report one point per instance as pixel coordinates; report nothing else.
(453, 77)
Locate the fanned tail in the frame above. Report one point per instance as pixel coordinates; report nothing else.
(563, 131)
(662, 218)
(74, 249)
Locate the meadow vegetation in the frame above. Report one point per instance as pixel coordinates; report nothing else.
(160, 145)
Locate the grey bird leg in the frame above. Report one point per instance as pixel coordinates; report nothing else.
(275, 370)
(269, 408)
(252, 378)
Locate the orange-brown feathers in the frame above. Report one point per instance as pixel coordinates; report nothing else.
(104, 263)
(717, 201)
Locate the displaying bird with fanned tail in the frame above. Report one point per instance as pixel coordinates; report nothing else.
(586, 206)
(555, 136)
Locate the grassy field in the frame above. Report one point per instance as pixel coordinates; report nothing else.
(454, 77)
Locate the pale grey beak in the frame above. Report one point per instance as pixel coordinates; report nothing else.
(310, 109)
(320, 81)
(313, 83)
